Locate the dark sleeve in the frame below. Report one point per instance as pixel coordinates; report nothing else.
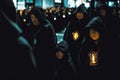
(51, 39)
(26, 60)
(67, 33)
(71, 72)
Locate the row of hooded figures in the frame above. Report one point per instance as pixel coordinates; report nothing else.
(89, 49)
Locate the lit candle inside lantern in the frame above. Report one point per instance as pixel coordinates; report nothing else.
(75, 35)
(93, 58)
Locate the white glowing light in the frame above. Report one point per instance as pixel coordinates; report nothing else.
(64, 16)
(55, 18)
(69, 13)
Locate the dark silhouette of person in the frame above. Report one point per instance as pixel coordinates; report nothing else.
(105, 13)
(44, 42)
(64, 68)
(17, 58)
(111, 42)
(91, 56)
(75, 31)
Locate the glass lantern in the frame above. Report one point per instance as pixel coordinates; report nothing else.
(93, 58)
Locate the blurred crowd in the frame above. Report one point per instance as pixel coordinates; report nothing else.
(29, 48)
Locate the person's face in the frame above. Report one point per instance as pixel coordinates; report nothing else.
(80, 15)
(34, 20)
(59, 55)
(103, 12)
(94, 35)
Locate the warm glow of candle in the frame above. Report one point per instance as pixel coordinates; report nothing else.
(75, 35)
(93, 58)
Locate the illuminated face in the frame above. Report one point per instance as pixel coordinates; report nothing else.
(103, 12)
(94, 35)
(34, 20)
(80, 15)
(59, 54)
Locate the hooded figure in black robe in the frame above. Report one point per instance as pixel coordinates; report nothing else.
(44, 42)
(75, 31)
(64, 68)
(91, 57)
(17, 59)
(112, 42)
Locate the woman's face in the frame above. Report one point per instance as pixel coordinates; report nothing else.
(59, 55)
(94, 35)
(80, 15)
(34, 20)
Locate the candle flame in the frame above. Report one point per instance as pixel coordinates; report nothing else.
(93, 58)
(75, 35)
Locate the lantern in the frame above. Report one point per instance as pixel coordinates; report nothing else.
(93, 58)
(75, 35)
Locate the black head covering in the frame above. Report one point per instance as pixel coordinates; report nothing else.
(8, 20)
(97, 24)
(81, 9)
(39, 14)
(63, 46)
(9, 29)
(8, 8)
(102, 7)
